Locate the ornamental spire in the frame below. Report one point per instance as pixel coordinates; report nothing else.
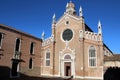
(99, 28)
(54, 18)
(70, 1)
(43, 35)
(67, 5)
(80, 11)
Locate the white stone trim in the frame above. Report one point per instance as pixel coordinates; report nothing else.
(67, 20)
(62, 54)
(92, 36)
(59, 71)
(81, 34)
(50, 75)
(47, 41)
(102, 71)
(80, 77)
(67, 15)
(89, 77)
(46, 75)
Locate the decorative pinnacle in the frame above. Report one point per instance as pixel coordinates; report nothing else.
(99, 27)
(67, 5)
(43, 35)
(99, 24)
(54, 18)
(80, 11)
(70, 1)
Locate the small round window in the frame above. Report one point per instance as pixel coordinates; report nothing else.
(67, 35)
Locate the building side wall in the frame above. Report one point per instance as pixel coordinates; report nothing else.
(8, 46)
(88, 70)
(47, 70)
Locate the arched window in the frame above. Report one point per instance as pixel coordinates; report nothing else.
(67, 57)
(92, 57)
(1, 36)
(17, 46)
(32, 48)
(48, 59)
(30, 63)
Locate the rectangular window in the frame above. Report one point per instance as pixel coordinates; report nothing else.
(47, 55)
(48, 59)
(47, 62)
(92, 62)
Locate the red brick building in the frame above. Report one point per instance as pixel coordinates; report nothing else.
(20, 52)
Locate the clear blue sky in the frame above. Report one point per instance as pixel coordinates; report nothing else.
(34, 16)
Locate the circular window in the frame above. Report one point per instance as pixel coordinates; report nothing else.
(67, 35)
(67, 22)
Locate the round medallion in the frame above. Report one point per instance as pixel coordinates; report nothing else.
(67, 35)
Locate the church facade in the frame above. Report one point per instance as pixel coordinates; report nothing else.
(73, 49)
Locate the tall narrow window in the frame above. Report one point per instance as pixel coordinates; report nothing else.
(17, 46)
(48, 59)
(1, 37)
(30, 63)
(92, 57)
(17, 49)
(32, 48)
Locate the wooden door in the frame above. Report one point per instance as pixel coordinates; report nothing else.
(67, 68)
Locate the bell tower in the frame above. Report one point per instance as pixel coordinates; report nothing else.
(70, 8)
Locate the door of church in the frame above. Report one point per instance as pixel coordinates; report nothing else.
(67, 68)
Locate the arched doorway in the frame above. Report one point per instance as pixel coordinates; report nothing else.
(67, 65)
